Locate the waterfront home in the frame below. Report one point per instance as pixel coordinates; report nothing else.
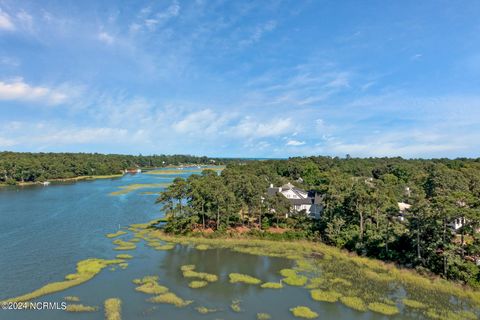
(309, 202)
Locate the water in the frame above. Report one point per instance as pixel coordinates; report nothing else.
(45, 231)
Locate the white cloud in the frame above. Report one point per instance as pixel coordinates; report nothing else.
(295, 143)
(21, 91)
(5, 22)
(250, 128)
(105, 37)
(197, 122)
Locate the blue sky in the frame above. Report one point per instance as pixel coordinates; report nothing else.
(241, 78)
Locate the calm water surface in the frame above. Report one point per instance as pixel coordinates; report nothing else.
(45, 231)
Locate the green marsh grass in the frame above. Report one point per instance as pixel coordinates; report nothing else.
(413, 304)
(116, 234)
(354, 303)
(205, 310)
(272, 285)
(243, 278)
(113, 309)
(80, 308)
(345, 273)
(124, 245)
(235, 306)
(325, 296)
(202, 247)
(383, 308)
(150, 285)
(304, 312)
(71, 298)
(124, 256)
(86, 270)
(263, 316)
(189, 272)
(170, 298)
(195, 284)
(138, 186)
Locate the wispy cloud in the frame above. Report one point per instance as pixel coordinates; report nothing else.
(295, 143)
(6, 22)
(105, 37)
(258, 32)
(19, 90)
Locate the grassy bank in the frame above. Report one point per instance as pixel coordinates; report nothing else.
(73, 179)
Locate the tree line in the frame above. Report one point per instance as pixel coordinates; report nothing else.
(18, 167)
(361, 211)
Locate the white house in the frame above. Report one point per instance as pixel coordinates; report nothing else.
(300, 199)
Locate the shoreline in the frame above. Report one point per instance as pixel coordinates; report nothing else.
(74, 179)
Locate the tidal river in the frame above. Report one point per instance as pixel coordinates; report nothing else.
(45, 231)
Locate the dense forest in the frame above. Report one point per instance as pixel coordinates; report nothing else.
(361, 211)
(18, 167)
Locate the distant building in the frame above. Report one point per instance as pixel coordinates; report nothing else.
(309, 201)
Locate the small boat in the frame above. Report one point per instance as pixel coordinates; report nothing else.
(46, 183)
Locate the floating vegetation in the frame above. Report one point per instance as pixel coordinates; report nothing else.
(113, 309)
(197, 284)
(71, 298)
(304, 312)
(205, 310)
(202, 247)
(292, 278)
(354, 303)
(238, 277)
(235, 306)
(325, 296)
(80, 308)
(86, 270)
(170, 298)
(272, 285)
(188, 272)
(263, 316)
(124, 245)
(383, 308)
(116, 234)
(145, 279)
(123, 265)
(137, 186)
(413, 304)
(124, 256)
